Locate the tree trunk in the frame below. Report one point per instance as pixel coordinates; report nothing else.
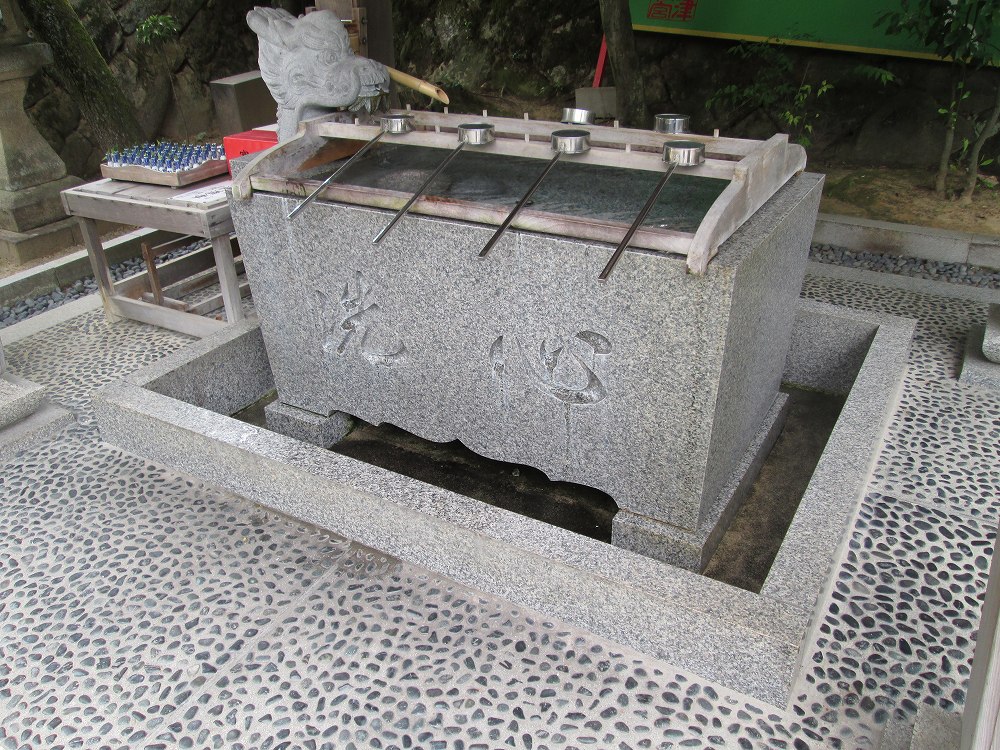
(941, 181)
(991, 128)
(631, 89)
(84, 73)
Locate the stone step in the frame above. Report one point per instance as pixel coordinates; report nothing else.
(936, 729)
(19, 398)
(991, 340)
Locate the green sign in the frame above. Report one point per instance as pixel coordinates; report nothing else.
(830, 24)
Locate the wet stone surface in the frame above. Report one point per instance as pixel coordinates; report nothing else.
(612, 194)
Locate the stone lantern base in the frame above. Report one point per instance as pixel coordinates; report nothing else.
(32, 220)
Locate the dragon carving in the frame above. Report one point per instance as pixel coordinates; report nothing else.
(310, 68)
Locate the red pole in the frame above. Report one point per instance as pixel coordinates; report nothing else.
(602, 58)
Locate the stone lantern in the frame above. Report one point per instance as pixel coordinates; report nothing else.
(32, 221)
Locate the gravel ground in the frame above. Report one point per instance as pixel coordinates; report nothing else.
(956, 273)
(29, 306)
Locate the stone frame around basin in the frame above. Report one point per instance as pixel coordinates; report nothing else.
(175, 412)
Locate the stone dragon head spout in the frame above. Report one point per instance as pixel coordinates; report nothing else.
(309, 67)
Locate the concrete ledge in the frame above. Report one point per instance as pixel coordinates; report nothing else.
(602, 101)
(19, 398)
(45, 423)
(242, 102)
(24, 247)
(817, 538)
(936, 729)
(223, 373)
(746, 641)
(977, 370)
(324, 432)
(828, 349)
(901, 281)
(907, 239)
(814, 539)
(991, 337)
(49, 318)
(719, 631)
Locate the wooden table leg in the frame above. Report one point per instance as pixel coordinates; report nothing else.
(151, 273)
(99, 264)
(227, 277)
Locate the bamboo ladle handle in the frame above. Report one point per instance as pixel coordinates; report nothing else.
(412, 82)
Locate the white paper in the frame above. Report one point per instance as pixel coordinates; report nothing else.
(204, 195)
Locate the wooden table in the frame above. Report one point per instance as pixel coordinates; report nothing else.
(200, 210)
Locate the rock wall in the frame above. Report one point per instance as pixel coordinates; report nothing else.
(505, 57)
(483, 53)
(168, 84)
(859, 120)
(478, 49)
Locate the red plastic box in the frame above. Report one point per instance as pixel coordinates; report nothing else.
(249, 142)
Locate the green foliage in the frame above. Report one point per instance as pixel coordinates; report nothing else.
(964, 31)
(950, 113)
(772, 89)
(798, 117)
(766, 89)
(155, 30)
(988, 182)
(963, 154)
(882, 76)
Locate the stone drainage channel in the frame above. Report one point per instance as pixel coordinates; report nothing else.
(176, 412)
(746, 550)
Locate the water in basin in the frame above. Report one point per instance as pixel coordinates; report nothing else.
(573, 189)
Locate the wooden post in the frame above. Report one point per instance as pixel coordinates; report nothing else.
(99, 264)
(227, 278)
(151, 274)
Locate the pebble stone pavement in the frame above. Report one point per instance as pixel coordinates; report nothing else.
(141, 608)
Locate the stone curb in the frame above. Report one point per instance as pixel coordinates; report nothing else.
(912, 241)
(44, 424)
(167, 413)
(19, 398)
(66, 270)
(935, 287)
(49, 318)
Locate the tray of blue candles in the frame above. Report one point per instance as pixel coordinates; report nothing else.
(165, 163)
